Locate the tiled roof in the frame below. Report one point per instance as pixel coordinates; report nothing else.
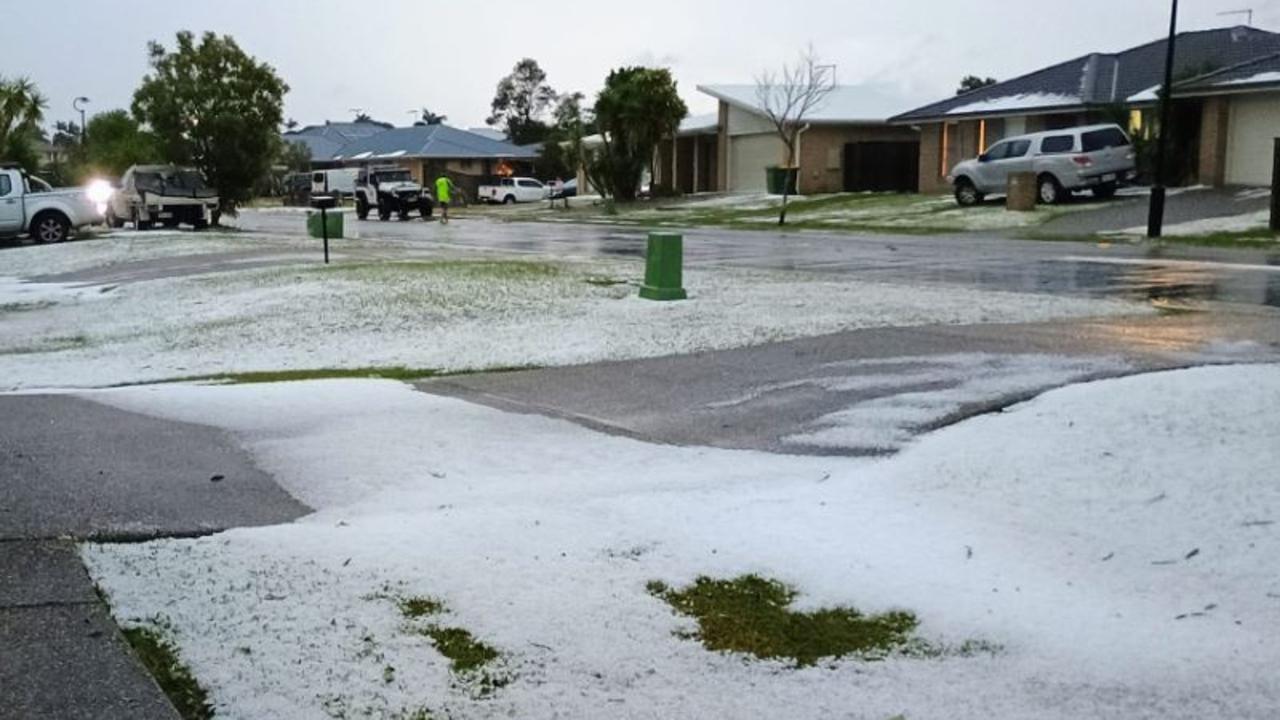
(431, 141)
(1263, 71)
(1130, 76)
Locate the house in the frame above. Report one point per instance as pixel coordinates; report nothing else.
(1225, 113)
(846, 145)
(425, 151)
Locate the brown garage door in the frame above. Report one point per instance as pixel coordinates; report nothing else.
(881, 166)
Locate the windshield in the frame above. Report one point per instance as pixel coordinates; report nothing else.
(393, 176)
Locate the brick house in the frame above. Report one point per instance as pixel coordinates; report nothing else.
(847, 145)
(1225, 115)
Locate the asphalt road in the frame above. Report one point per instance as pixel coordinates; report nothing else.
(970, 260)
(71, 470)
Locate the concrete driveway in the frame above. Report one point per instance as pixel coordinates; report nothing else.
(1129, 210)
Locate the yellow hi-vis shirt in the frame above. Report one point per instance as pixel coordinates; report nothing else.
(443, 186)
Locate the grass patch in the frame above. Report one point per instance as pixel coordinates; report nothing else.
(466, 654)
(751, 614)
(503, 270)
(419, 607)
(160, 658)
(470, 660)
(49, 345)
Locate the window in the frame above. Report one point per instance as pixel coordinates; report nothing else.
(1018, 148)
(5, 186)
(530, 184)
(1057, 144)
(1103, 139)
(997, 151)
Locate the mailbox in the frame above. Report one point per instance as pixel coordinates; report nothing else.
(324, 203)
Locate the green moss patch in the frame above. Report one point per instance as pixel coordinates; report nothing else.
(751, 614)
(466, 654)
(419, 607)
(160, 658)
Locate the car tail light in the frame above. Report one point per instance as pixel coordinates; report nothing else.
(1083, 161)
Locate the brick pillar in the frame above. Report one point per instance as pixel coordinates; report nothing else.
(930, 158)
(1215, 125)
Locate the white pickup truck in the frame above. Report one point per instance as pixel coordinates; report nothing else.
(509, 191)
(29, 205)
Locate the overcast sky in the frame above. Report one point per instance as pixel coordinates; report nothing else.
(402, 54)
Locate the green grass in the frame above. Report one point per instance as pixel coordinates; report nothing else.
(503, 270)
(466, 654)
(160, 658)
(419, 607)
(751, 614)
(470, 660)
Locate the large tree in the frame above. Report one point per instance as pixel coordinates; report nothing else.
(21, 111)
(115, 141)
(521, 103)
(213, 106)
(969, 83)
(430, 118)
(562, 151)
(636, 109)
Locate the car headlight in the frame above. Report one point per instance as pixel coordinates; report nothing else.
(99, 192)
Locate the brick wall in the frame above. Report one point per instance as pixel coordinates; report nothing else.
(822, 152)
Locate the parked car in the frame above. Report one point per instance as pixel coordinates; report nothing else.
(297, 189)
(392, 191)
(509, 191)
(165, 194)
(29, 206)
(570, 189)
(337, 181)
(1096, 157)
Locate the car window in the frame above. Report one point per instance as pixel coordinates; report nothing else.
(6, 186)
(530, 184)
(1102, 139)
(1018, 148)
(997, 151)
(1057, 144)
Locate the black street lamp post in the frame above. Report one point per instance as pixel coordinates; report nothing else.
(1155, 218)
(77, 104)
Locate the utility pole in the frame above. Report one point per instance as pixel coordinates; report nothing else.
(76, 104)
(1155, 218)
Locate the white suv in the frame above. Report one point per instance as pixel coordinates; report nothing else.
(1097, 157)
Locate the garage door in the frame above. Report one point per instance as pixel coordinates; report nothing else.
(749, 155)
(1255, 124)
(881, 167)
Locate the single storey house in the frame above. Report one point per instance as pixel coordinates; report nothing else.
(846, 145)
(1225, 115)
(425, 151)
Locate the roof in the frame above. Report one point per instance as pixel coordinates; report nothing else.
(1263, 71)
(846, 104)
(431, 142)
(1132, 76)
(325, 140)
(699, 124)
(490, 133)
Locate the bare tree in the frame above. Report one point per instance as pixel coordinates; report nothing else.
(787, 98)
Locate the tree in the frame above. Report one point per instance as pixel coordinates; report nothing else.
(296, 156)
(973, 82)
(430, 118)
(115, 141)
(637, 108)
(21, 112)
(521, 101)
(363, 117)
(562, 151)
(787, 100)
(213, 106)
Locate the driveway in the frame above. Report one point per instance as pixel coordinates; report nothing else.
(1182, 205)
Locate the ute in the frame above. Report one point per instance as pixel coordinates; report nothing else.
(167, 195)
(29, 206)
(392, 191)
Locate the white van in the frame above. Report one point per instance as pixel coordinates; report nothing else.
(338, 181)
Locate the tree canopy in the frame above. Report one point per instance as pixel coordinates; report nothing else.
(21, 112)
(637, 108)
(430, 118)
(973, 82)
(521, 103)
(213, 106)
(115, 141)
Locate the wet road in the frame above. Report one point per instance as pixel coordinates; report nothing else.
(1172, 273)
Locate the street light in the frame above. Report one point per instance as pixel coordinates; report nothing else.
(1155, 216)
(75, 104)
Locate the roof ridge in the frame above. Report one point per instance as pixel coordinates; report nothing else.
(989, 88)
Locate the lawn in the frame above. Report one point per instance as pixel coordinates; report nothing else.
(846, 212)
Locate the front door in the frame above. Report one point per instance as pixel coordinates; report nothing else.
(10, 206)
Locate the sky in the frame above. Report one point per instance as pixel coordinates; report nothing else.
(405, 54)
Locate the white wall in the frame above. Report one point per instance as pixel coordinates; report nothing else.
(1255, 124)
(745, 123)
(749, 155)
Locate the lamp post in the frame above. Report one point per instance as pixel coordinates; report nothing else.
(1155, 216)
(76, 104)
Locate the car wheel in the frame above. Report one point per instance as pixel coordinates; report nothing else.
(967, 194)
(1105, 191)
(509, 200)
(50, 228)
(1048, 190)
(114, 222)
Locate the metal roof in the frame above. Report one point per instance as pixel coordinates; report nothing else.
(868, 103)
(1131, 76)
(325, 140)
(431, 142)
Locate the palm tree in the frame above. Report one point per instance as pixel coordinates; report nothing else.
(21, 112)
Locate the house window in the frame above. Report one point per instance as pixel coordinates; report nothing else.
(1135, 122)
